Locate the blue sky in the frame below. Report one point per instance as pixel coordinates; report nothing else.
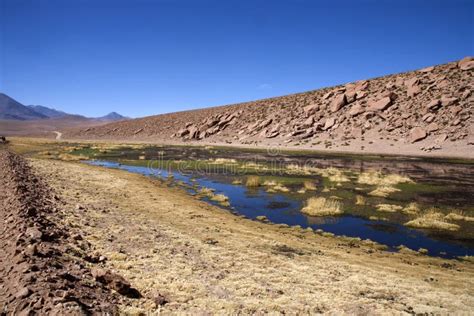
(146, 57)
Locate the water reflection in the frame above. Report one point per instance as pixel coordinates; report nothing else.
(285, 208)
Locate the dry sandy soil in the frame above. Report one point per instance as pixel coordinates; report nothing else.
(43, 128)
(186, 256)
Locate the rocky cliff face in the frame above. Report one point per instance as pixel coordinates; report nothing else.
(434, 102)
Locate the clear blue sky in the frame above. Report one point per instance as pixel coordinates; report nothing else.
(147, 57)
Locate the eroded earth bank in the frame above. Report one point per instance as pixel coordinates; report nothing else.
(46, 265)
(185, 255)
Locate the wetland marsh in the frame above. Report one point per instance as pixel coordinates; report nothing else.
(424, 205)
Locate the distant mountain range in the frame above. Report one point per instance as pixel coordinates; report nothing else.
(11, 109)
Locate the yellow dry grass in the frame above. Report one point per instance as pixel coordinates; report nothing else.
(458, 215)
(209, 193)
(383, 191)
(378, 218)
(309, 186)
(360, 200)
(320, 206)
(432, 219)
(253, 181)
(281, 188)
(269, 183)
(411, 208)
(379, 179)
(224, 161)
(237, 182)
(389, 208)
(333, 174)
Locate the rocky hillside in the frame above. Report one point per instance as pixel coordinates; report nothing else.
(432, 106)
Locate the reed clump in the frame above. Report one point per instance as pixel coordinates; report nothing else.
(320, 206)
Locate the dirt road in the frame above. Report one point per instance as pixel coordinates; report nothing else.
(58, 135)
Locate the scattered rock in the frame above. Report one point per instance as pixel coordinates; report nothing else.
(467, 63)
(356, 110)
(115, 282)
(22, 293)
(329, 123)
(338, 102)
(433, 105)
(379, 105)
(416, 134)
(311, 109)
(427, 69)
(433, 127)
(447, 101)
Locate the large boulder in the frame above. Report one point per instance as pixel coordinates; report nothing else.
(338, 102)
(183, 132)
(417, 134)
(447, 101)
(356, 110)
(329, 123)
(379, 105)
(311, 109)
(361, 85)
(427, 69)
(467, 63)
(309, 122)
(193, 132)
(433, 105)
(413, 90)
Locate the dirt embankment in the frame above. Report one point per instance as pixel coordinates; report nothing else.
(204, 260)
(428, 111)
(45, 265)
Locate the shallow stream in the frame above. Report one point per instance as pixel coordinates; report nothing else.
(440, 187)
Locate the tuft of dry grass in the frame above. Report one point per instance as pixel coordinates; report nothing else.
(206, 192)
(412, 208)
(221, 199)
(458, 215)
(252, 181)
(333, 174)
(237, 182)
(275, 187)
(360, 200)
(281, 188)
(379, 179)
(224, 161)
(378, 218)
(320, 206)
(383, 191)
(432, 219)
(309, 186)
(389, 208)
(209, 193)
(269, 183)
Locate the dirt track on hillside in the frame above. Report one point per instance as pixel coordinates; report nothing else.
(186, 256)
